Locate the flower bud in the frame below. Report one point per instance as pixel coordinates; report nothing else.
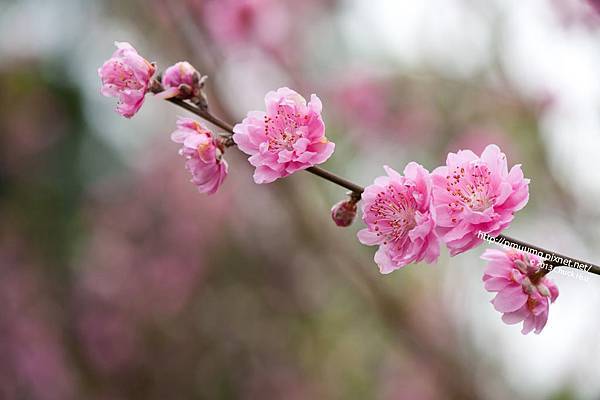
(343, 213)
(182, 81)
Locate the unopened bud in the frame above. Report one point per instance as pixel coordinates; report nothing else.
(343, 213)
(182, 81)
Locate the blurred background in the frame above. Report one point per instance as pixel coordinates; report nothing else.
(119, 281)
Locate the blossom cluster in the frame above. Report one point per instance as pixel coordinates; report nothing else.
(408, 215)
(287, 137)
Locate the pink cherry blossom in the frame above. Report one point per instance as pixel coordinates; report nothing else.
(523, 294)
(126, 76)
(396, 211)
(474, 194)
(181, 73)
(204, 155)
(288, 137)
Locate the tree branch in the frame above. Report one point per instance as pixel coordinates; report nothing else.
(552, 258)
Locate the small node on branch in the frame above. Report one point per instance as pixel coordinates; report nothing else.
(344, 212)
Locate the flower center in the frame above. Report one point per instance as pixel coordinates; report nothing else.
(282, 129)
(123, 77)
(470, 188)
(395, 211)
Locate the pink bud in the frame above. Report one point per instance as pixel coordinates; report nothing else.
(343, 213)
(181, 80)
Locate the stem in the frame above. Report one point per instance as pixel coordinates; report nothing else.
(552, 257)
(343, 182)
(203, 114)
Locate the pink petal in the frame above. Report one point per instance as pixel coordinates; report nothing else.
(496, 284)
(509, 299)
(515, 317)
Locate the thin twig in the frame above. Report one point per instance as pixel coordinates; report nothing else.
(203, 114)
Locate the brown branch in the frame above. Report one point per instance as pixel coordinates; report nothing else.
(204, 114)
(338, 180)
(553, 258)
